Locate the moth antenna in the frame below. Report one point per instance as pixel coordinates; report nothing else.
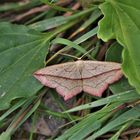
(86, 53)
(57, 53)
(78, 58)
(60, 52)
(69, 55)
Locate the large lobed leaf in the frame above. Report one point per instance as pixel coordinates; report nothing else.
(22, 51)
(121, 21)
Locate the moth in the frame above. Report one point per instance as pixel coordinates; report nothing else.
(71, 78)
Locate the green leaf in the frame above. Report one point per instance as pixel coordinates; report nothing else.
(114, 54)
(116, 135)
(86, 36)
(123, 97)
(69, 43)
(88, 125)
(26, 111)
(12, 109)
(59, 20)
(121, 21)
(127, 116)
(86, 129)
(16, 6)
(22, 52)
(5, 136)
